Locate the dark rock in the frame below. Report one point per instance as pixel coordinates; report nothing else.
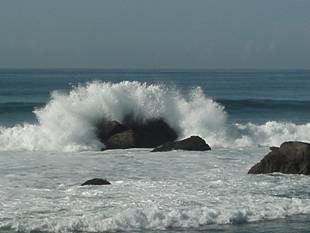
(289, 158)
(131, 134)
(191, 143)
(121, 140)
(274, 148)
(152, 133)
(96, 181)
(106, 129)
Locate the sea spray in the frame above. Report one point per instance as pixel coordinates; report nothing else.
(271, 133)
(68, 121)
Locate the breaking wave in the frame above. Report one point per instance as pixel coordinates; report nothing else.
(150, 219)
(67, 122)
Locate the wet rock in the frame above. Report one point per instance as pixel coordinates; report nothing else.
(152, 133)
(274, 148)
(106, 129)
(290, 158)
(121, 140)
(194, 143)
(131, 134)
(96, 181)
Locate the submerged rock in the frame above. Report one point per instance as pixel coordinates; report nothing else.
(290, 158)
(96, 181)
(130, 134)
(191, 143)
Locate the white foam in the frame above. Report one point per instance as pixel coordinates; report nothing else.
(271, 133)
(149, 191)
(134, 219)
(67, 122)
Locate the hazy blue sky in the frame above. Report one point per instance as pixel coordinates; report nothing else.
(155, 34)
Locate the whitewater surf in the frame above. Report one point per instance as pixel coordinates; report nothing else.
(49, 147)
(68, 121)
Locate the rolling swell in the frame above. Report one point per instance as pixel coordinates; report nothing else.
(11, 107)
(269, 104)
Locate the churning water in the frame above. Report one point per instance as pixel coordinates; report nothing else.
(48, 148)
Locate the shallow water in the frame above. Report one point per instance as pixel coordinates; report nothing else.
(170, 192)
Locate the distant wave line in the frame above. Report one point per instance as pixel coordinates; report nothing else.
(8, 107)
(265, 104)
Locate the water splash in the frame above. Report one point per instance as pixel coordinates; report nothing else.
(67, 122)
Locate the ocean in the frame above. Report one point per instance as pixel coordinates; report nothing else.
(48, 148)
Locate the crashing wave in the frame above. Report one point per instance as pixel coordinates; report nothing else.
(68, 121)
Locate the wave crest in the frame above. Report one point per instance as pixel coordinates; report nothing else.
(271, 133)
(68, 121)
(150, 219)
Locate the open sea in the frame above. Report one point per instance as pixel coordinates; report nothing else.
(48, 148)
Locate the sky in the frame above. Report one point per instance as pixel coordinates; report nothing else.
(155, 34)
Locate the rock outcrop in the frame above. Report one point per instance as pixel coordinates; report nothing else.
(130, 134)
(289, 158)
(96, 181)
(194, 143)
(106, 129)
(122, 140)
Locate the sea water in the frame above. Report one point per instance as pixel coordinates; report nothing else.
(48, 148)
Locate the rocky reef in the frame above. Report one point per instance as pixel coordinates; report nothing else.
(290, 158)
(192, 143)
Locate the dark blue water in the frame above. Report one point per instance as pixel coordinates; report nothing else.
(248, 96)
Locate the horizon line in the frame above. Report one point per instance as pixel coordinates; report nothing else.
(151, 69)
